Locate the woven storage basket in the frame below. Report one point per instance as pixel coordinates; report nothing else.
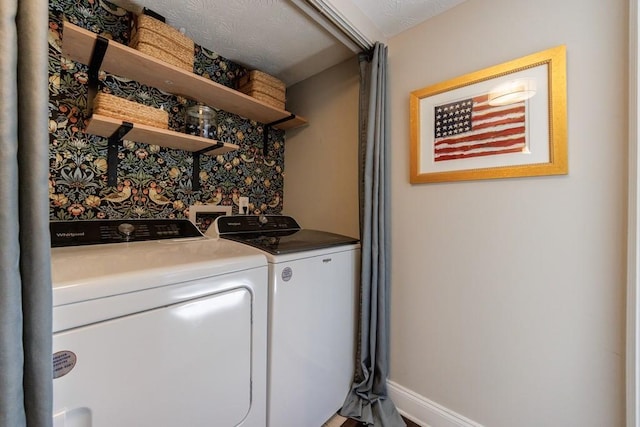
(122, 109)
(262, 77)
(257, 86)
(157, 39)
(265, 98)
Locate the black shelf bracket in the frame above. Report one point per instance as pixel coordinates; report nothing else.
(153, 14)
(195, 181)
(97, 56)
(112, 152)
(267, 128)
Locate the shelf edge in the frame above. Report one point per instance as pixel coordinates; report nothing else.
(105, 126)
(77, 44)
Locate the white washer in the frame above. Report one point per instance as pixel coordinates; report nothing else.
(313, 278)
(157, 333)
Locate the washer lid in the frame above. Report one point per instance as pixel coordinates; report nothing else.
(81, 273)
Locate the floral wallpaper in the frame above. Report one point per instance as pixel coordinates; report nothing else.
(153, 182)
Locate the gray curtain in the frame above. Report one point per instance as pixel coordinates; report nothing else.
(367, 401)
(25, 286)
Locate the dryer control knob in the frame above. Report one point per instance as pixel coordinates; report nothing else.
(126, 229)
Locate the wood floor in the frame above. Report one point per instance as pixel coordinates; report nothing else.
(354, 423)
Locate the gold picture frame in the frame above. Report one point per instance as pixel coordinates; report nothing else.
(505, 121)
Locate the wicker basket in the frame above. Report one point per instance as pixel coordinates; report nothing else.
(262, 77)
(157, 39)
(265, 98)
(122, 109)
(259, 87)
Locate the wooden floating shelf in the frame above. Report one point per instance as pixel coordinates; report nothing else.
(78, 45)
(106, 126)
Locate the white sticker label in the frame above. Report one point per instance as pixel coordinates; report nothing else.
(287, 273)
(63, 363)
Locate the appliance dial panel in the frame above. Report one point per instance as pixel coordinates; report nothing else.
(92, 232)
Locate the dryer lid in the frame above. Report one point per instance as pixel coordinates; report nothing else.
(286, 242)
(275, 234)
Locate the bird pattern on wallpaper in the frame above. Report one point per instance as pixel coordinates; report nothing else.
(153, 182)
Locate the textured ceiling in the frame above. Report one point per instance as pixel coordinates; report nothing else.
(275, 36)
(395, 16)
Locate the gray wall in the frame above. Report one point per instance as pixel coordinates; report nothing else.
(508, 295)
(321, 174)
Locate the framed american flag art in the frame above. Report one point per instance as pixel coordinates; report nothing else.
(509, 120)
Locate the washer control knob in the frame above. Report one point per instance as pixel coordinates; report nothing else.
(126, 229)
(262, 219)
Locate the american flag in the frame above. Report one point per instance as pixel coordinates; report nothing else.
(473, 128)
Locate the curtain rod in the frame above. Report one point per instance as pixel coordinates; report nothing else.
(339, 22)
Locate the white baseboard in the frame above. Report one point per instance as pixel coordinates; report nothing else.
(424, 411)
